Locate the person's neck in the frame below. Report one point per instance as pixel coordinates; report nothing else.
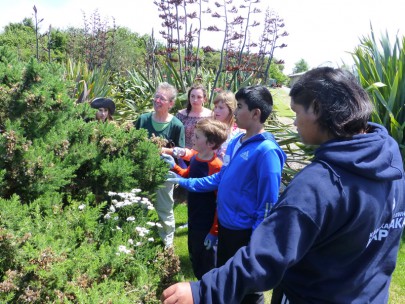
(195, 110)
(205, 155)
(161, 117)
(250, 132)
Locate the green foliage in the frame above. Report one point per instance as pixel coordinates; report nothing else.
(10, 72)
(301, 66)
(19, 38)
(78, 253)
(381, 70)
(56, 45)
(280, 124)
(211, 60)
(47, 145)
(129, 50)
(276, 73)
(132, 93)
(87, 84)
(398, 277)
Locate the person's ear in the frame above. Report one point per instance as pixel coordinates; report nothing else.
(210, 145)
(257, 113)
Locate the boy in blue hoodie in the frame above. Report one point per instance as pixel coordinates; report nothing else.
(334, 235)
(249, 181)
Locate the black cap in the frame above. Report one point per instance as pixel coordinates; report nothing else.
(102, 102)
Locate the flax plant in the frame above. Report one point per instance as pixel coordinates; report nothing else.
(381, 69)
(88, 84)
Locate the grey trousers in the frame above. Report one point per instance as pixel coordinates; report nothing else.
(164, 208)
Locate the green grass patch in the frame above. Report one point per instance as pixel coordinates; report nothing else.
(281, 101)
(397, 288)
(180, 242)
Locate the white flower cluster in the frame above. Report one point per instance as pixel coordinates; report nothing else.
(127, 199)
(142, 231)
(130, 198)
(123, 249)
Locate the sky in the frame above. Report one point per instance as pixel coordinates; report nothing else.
(322, 32)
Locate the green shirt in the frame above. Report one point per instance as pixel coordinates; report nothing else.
(174, 130)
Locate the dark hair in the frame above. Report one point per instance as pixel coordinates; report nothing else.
(106, 103)
(257, 97)
(194, 87)
(215, 131)
(103, 102)
(342, 105)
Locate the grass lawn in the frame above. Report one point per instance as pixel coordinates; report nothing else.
(281, 105)
(180, 242)
(281, 102)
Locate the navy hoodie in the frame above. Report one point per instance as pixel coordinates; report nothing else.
(334, 235)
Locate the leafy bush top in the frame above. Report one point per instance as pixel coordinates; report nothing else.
(49, 144)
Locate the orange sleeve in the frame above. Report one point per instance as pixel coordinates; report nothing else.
(189, 154)
(214, 227)
(214, 166)
(180, 171)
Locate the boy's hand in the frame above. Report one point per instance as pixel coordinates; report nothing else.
(179, 152)
(179, 293)
(168, 159)
(173, 180)
(166, 150)
(210, 241)
(173, 177)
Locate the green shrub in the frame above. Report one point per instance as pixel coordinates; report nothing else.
(79, 253)
(48, 144)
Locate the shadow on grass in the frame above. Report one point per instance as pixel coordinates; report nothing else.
(181, 250)
(186, 269)
(181, 233)
(180, 239)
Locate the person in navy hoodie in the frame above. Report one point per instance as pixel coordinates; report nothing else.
(333, 236)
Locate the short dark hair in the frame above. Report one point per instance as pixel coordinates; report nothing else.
(257, 97)
(103, 102)
(342, 105)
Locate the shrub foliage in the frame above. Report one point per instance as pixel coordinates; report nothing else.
(63, 238)
(48, 142)
(51, 253)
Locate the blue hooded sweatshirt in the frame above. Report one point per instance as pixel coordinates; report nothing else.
(334, 235)
(248, 183)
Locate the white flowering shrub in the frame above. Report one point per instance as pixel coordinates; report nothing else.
(82, 252)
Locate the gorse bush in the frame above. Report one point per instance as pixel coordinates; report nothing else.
(50, 143)
(70, 229)
(81, 253)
